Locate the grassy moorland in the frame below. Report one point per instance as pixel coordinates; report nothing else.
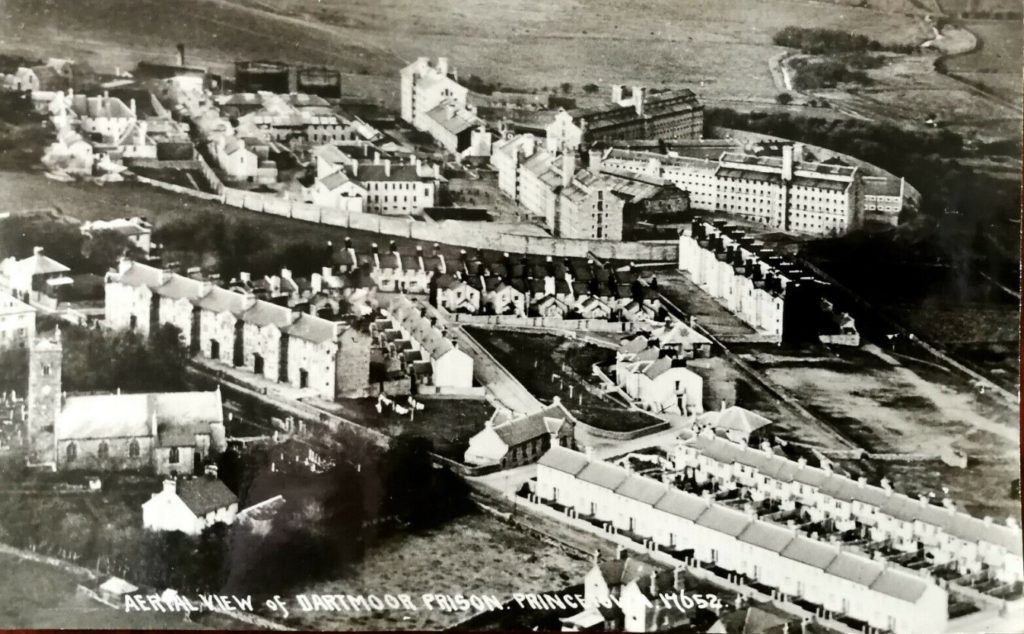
(723, 51)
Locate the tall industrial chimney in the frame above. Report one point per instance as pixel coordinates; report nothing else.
(181, 54)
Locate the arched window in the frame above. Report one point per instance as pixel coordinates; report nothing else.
(103, 452)
(173, 457)
(133, 449)
(72, 452)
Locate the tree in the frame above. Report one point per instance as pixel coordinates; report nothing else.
(104, 248)
(566, 88)
(591, 88)
(783, 98)
(14, 370)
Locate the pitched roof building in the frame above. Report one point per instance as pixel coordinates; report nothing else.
(190, 505)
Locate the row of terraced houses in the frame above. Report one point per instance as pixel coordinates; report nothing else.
(273, 342)
(948, 535)
(834, 580)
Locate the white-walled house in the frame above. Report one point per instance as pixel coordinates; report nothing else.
(510, 441)
(239, 330)
(946, 533)
(660, 384)
(838, 579)
(189, 506)
(449, 366)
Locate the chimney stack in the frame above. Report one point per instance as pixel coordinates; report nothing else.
(170, 486)
(387, 167)
(181, 54)
(639, 97)
(787, 163)
(568, 168)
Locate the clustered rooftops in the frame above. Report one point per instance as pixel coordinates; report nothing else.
(840, 487)
(748, 256)
(655, 105)
(244, 307)
(830, 558)
(471, 265)
(411, 319)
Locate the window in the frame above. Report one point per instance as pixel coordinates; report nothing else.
(133, 449)
(72, 452)
(172, 456)
(46, 369)
(103, 452)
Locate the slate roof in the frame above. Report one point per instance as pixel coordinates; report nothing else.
(603, 474)
(205, 494)
(564, 460)
(682, 504)
(39, 264)
(725, 520)
(828, 557)
(658, 367)
(180, 287)
(618, 572)
(810, 552)
(901, 585)
(131, 415)
(894, 504)
(644, 490)
(540, 423)
(220, 300)
(263, 314)
(876, 186)
(334, 180)
(462, 120)
(767, 536)
(310, 328)
(736, 418)
(860, 570)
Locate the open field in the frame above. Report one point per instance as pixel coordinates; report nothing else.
(688, 297)
(550, 42)
(995, 64)
(476, 554)
(39, 596)
(889, 406)
(449, 423)
(723, 383)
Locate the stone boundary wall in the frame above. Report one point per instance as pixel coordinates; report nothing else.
(623, 435)
(178, 189)
(545, 323)
(477, 235)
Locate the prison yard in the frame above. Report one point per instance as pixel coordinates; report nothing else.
(883, 404)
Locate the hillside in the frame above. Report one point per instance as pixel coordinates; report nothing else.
(532, 43)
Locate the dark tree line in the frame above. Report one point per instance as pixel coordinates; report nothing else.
(241, 245)
(64, 242)
(329, 521)
(818, 41)
(965, 214)
(813, 74)
(100, 360)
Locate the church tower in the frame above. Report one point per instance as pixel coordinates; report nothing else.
(44, 398)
